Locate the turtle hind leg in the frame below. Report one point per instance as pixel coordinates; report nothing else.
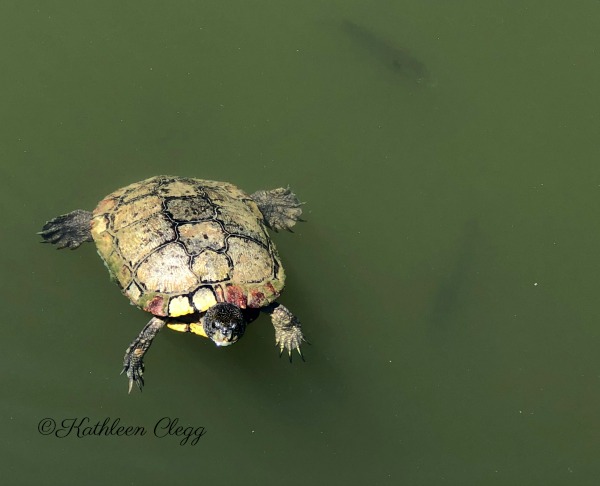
(133, 361)
(280, 207)
(288, 330)
(68, 230)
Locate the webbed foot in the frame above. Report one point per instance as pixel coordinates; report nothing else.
(280, 208)
(288, 332)
(68, 230)
(133, 361)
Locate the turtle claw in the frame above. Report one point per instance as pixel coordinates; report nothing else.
(139, 382)
(133, 367)
(290, 350)
(133, 361)
(280, 207)
(68, 230)
(288, 331)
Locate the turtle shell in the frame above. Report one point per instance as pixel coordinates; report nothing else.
(178, 246)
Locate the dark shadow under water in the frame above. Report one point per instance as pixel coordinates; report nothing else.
(458, 280)
(397, 59)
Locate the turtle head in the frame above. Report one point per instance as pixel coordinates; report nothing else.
(224, 323)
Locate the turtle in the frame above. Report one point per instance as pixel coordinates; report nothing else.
(194, 253)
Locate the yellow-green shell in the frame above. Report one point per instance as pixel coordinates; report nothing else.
(177, 246)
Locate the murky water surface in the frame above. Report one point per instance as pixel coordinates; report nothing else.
(447, 274)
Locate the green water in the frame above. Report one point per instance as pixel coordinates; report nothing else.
(447, 276)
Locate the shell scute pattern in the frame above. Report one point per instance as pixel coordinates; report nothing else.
(177, 246)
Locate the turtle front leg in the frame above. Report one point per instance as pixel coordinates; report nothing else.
(288, 332)
(133, 362)
(280, 208)
(68, 230)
